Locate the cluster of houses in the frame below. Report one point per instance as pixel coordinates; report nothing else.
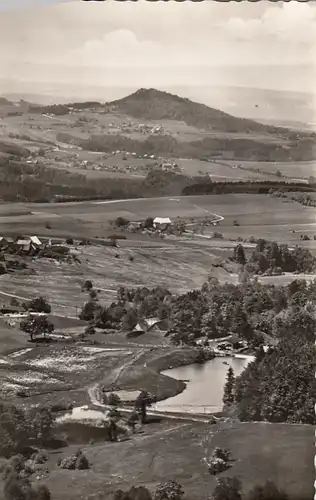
(232, 344)
(129, 127)
(27, 244)
(159, 224)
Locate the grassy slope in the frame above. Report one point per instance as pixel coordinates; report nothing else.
(11, 338)
(183, 269)
(175, 451)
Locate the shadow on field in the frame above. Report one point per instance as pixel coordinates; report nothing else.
(153, 419)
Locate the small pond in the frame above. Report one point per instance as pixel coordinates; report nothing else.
(205, 385)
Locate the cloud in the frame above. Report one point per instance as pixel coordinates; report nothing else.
(293, 23)
(117, 48)
(114, 43)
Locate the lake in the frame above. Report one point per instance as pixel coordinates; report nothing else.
(204, 391)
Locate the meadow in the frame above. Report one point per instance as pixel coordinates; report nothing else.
(183, 269)
(175, 450)
(245, 216)
(222, 170)
(293, 170)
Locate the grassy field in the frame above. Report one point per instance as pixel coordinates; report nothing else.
(11, 338)
(222, 170)
(186, 262)
(183, 269)
(176, 451)
(41, 127)
(64, 371)
(263, 213)
(293, 170)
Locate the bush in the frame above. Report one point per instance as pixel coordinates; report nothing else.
(17, 488)
(39, 304)
(87, 286)
(88, 311)
(268, 491)
(14, 464)
(219, 461)
(82, 463)
(216, 465)
(221, 453)
(42, 492)
(113, 399)
(121, 222)
(69, 241)
(171, 490)
(217, 236)
(90, 330)
(3, 269)
(40, 457)
(149, 223)
(61, 406)
(68, 463)
(16, 265)
(228, 488)
(135, 493)
(77, 461)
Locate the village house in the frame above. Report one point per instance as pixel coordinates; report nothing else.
(162, 223)
(30, 243)
(133, 226)
(6, 241)
(148, 325)
(24, 244)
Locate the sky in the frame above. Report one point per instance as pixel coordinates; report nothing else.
(6, 5)
(80, 48)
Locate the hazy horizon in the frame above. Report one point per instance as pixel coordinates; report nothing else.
(104, 50)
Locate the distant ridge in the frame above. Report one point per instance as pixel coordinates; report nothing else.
(152, 104)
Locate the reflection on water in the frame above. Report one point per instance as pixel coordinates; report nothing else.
(204, 391)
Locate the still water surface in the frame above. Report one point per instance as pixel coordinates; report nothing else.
(204, 391)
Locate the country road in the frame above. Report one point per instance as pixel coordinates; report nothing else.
(94, 395)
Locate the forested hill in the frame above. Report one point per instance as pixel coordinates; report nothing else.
(152, 104)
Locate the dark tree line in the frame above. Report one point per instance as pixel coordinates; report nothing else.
(279, 386)
(249, 310)
(268, 256)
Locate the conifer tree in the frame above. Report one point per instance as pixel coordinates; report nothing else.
(229, 389)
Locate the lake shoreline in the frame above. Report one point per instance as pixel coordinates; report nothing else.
(198, 376)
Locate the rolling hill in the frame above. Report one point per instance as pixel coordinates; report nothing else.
(151, 104)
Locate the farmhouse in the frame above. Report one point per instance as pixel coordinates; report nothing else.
(6, 241)
(133, 226)
(29, 243)
(147, 325)
(36, 242)
(162, 222)
(24, 244)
